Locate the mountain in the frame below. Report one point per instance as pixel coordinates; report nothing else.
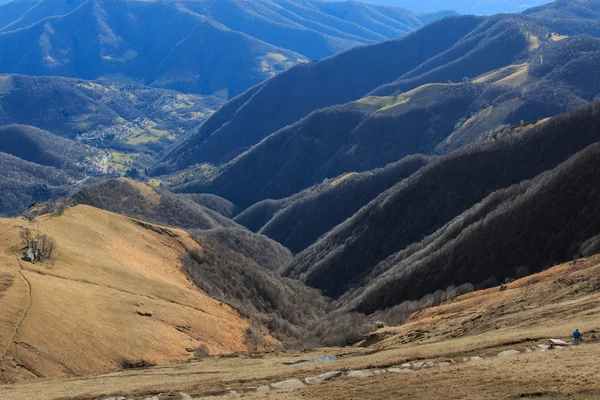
(400, 120)
(477, 7)
(292, 95)
(84, 129)
(299, 220)
(23, 183)
(136, 200)
(553, 216)
(232, 264)
(387, 241)
(210, 47)
(41, 147)
(115, 286)
(123, 117)
(215, 203)
(569, 17)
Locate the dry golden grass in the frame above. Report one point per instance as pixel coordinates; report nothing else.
(116, 293)
(550, 304)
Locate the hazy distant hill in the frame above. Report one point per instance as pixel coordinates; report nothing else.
(210, 47)
(478, 7)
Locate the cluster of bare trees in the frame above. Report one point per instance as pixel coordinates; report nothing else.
(38, 247)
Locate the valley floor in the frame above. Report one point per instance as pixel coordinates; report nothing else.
(481, 324)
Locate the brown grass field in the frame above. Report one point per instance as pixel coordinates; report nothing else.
(548, 305)
(115, 294)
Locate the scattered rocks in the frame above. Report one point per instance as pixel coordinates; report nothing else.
(183, 328)
(400, 370)
(144, 314)
(290, 384)
(509, 353)
(360, 374)
(323, 377)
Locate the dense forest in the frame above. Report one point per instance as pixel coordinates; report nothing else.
(299, 220)
(420, 205)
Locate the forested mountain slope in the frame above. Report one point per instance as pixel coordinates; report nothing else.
(23, 183)
(554, 77)
(290, 96)
(419, 210)
(299, 220)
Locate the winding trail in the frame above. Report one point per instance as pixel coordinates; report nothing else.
(18, 327)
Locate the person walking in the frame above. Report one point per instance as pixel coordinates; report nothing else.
(576, 337)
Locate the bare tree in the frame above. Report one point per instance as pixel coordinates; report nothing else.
(253, 339)
(26, 237)
(40, 247)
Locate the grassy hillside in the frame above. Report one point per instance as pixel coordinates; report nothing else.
(116, 295)
(480, 324)
(232, 264)
(417, 207)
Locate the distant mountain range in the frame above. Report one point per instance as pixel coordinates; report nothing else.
(209, 47)
(478, 7)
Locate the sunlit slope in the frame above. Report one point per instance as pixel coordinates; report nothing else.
(116, 295)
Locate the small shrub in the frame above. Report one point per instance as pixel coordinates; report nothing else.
(202, 352)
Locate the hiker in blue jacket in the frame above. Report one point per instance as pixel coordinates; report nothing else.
(576, 337)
